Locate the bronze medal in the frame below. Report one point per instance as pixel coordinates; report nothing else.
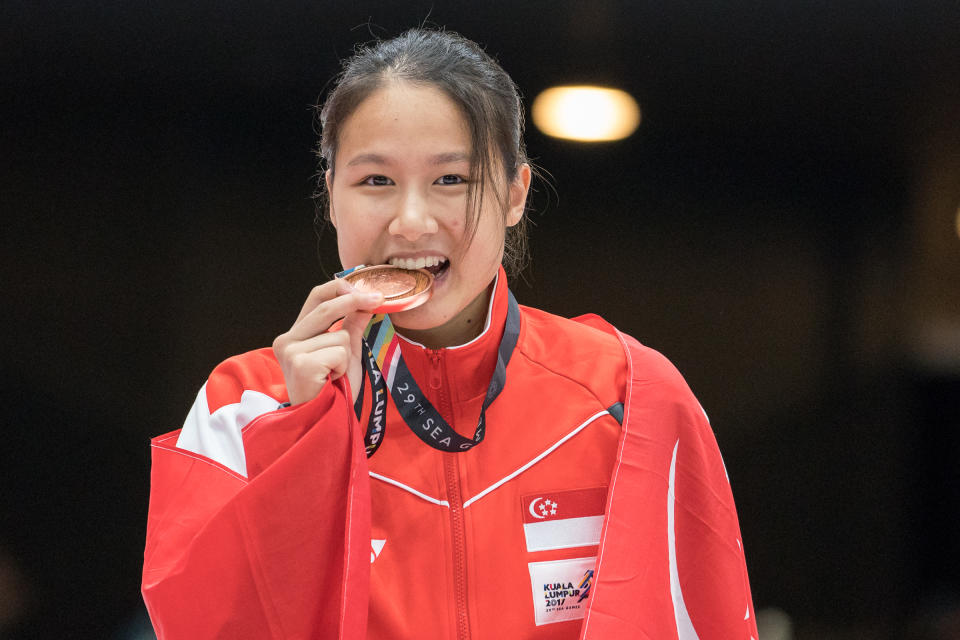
(402, 289)
(391, 283)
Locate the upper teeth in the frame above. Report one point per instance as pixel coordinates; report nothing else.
(417, 263)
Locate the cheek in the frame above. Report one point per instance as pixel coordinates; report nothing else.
(349, 240)
(456, 224)
(353, 247)
(491, 232)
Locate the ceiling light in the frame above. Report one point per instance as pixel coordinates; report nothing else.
(588, 114)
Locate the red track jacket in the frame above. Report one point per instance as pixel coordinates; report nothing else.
(270, 522)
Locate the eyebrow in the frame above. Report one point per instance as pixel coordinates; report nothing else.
(367, 158)
(450, 157)
(438, 159)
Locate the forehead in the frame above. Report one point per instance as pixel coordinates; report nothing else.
(403, 120)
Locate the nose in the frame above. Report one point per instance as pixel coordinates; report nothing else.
(413, 218)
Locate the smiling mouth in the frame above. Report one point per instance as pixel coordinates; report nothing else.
(436, 265)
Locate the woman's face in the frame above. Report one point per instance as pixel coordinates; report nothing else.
(398, 195)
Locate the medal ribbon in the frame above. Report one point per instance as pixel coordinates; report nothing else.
(388, 372)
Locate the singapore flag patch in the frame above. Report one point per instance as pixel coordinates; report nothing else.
(563, 519)
(561, 589)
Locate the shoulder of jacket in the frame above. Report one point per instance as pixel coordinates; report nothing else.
(583, 334)
(583, 352)
(662, 383)
(256, 370)
(586, 345)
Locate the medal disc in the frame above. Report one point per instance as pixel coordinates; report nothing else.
(390, 282)
(402, 289)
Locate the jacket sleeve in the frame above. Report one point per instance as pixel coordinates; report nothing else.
(279, 550)
(671, 562)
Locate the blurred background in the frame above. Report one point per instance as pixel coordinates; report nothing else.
(783, 226)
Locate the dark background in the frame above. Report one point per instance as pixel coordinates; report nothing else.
(782, 226)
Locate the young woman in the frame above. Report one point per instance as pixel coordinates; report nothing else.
(468, 468)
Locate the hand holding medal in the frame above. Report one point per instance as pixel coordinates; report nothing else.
(310, 353)
(314, 351)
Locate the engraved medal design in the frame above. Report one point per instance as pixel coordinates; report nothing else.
(390, 283)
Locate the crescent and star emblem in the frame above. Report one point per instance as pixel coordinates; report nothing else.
(548, 508)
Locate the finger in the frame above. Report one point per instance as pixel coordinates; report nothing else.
(323, 341)
(335, 359)
(318, 295)
(326, 291)
(325, 314)
(316, 365)
(286, 349)
(313, 370)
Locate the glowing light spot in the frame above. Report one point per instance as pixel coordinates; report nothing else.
(587, 114)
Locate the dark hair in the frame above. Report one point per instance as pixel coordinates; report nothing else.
(486, 95)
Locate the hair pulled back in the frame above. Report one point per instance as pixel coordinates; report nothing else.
(485, 94)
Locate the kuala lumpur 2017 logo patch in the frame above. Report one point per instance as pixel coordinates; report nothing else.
(561, 589)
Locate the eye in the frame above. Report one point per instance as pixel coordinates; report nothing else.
(450, 179)
(377, 181)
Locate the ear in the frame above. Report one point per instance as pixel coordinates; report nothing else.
(519, 188)
(328, 181)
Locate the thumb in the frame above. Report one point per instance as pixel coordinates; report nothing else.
(354, 324)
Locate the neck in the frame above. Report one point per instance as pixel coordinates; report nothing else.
(460, 329)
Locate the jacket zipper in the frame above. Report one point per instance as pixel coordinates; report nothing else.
(436, 375)
(451, 472)
(457, 530)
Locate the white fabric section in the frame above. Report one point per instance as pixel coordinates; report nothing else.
(685, 630)
(486, 323)
(218, 435)
(400, 485)
(392, 369)
(376, 546)
(563, 534)
(540, 457)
